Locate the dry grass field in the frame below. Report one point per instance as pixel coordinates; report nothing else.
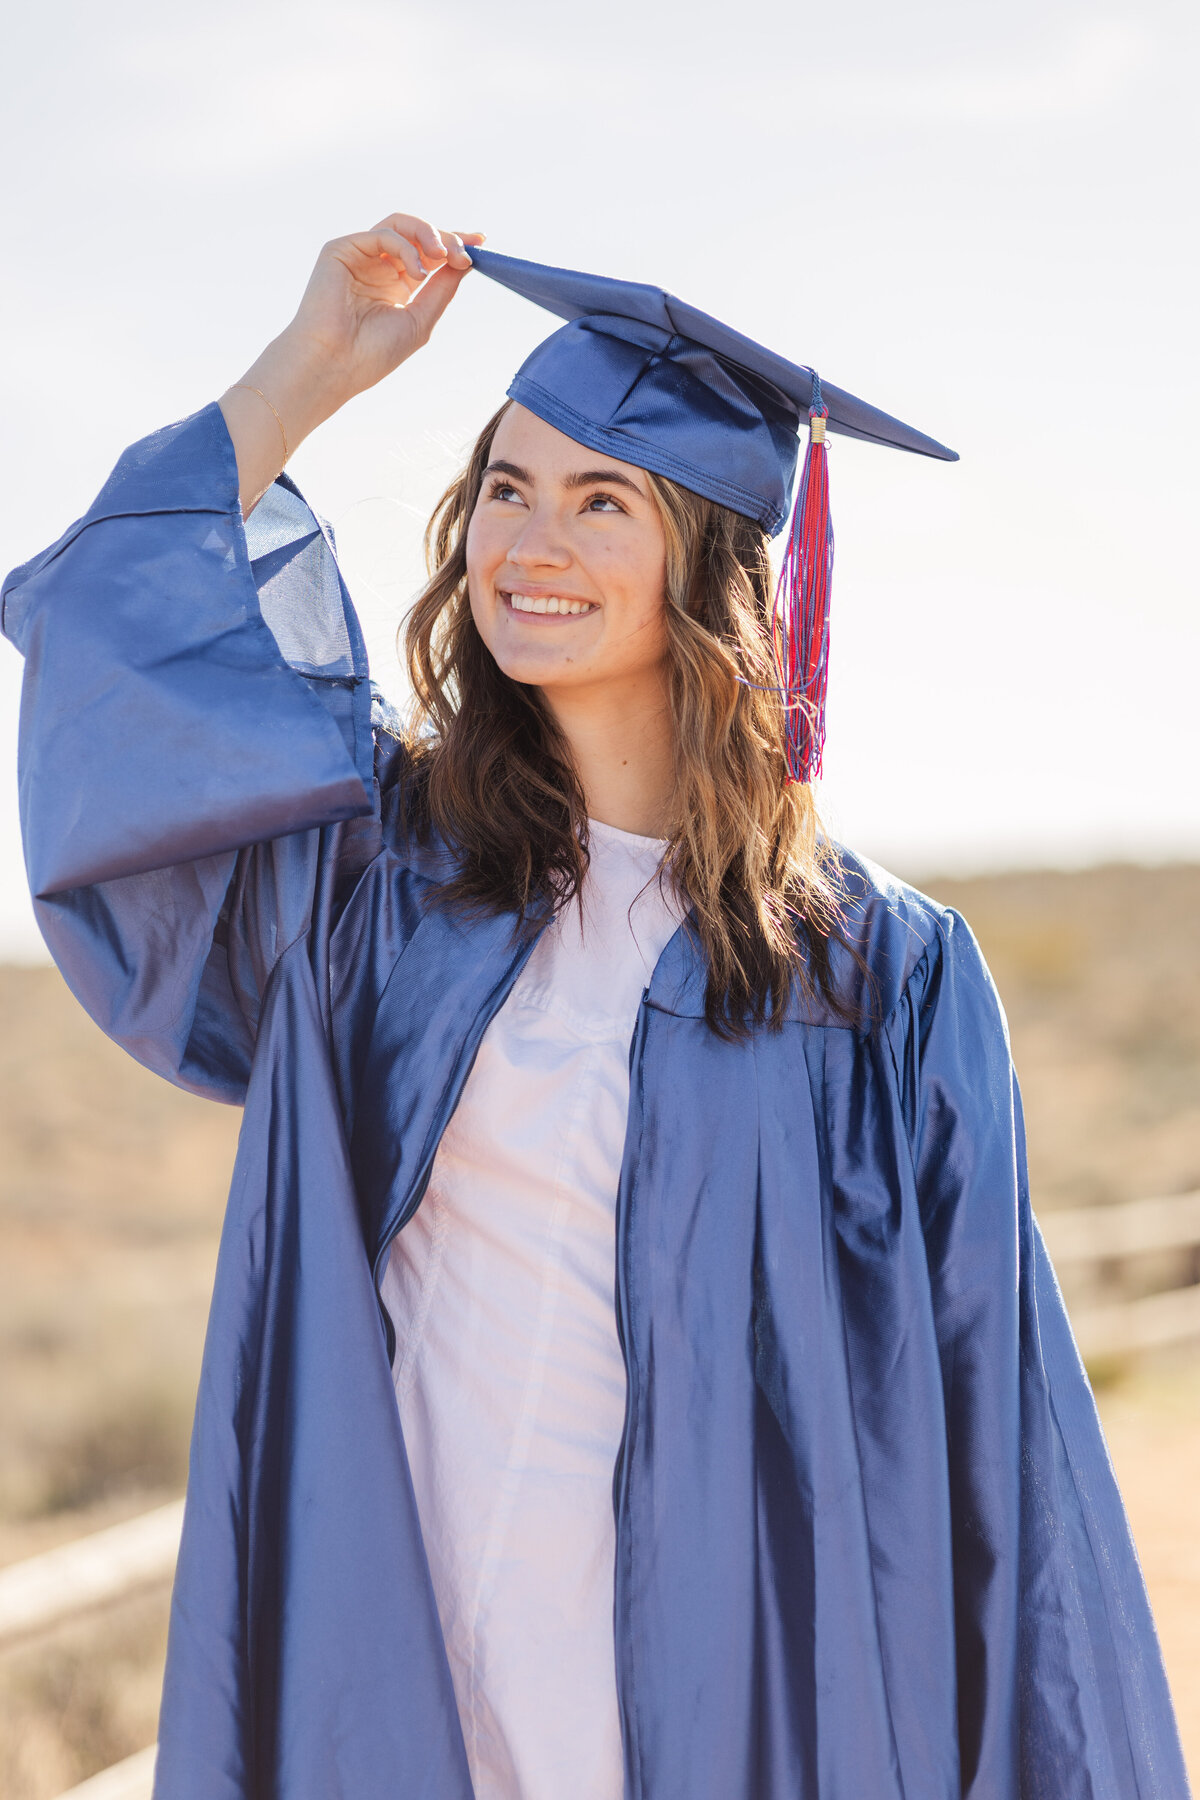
(111, 1191)
(1100, 976)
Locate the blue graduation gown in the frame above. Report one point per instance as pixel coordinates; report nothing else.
(869, 1545)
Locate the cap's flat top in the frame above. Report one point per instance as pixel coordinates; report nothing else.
(570, 294)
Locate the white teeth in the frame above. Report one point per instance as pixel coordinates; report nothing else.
(547, 604)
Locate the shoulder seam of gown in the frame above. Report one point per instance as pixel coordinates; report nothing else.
(917, 973)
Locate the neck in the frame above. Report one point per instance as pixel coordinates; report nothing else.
(621, 739)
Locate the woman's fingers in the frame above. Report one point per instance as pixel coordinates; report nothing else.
(372, 299)
(415, 260)
(427, 241)
(434, 246)
(455, 242)
(400, 251)
(426, 307)
(405, 273)
(412, 246)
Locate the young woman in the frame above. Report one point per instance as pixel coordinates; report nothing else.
(633, 1368)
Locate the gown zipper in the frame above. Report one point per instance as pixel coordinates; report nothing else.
(621, 1647)
(635, 1049)
(416, 1192)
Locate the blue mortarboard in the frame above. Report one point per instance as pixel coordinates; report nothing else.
(654, 382)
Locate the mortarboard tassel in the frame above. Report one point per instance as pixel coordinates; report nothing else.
(800, 616)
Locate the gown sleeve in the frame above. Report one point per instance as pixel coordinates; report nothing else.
(1058, 1661)
(195, 718)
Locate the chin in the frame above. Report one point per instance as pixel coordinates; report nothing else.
(538, 671)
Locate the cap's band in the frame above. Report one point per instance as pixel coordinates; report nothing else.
(644, 455)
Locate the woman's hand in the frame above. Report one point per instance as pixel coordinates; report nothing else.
(368, 304)
(373, 298)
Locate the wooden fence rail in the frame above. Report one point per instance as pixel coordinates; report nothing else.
(1109, 1237)
(110, 1564)
(1131, 1228)
(128, 1780)
(93, 1570)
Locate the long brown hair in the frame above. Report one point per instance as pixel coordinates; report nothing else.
(494, 776)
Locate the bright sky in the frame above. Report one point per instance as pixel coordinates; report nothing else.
(980, 217)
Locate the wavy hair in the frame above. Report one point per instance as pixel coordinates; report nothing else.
(493, 774)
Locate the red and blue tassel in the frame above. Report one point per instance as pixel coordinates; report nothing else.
(800, 616)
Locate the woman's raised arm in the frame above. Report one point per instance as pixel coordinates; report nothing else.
(196, 714)
(373, 298)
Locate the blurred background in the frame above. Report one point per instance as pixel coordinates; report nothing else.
(979, 217)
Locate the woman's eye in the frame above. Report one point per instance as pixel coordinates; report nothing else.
(504, 490)
(604, 503)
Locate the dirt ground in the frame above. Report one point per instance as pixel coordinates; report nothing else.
(112, 1187)
(1152, 1421)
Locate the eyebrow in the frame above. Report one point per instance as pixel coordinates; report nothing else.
(582, 477)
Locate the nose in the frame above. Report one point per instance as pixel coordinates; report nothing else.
(540, 543)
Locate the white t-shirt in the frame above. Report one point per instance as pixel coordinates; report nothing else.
(508, 1371)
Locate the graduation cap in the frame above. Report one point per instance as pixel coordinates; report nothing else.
(654, 382)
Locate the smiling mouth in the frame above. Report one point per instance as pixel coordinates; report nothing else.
(548, 605)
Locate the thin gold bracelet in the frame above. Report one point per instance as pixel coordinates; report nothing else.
(283, 434)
